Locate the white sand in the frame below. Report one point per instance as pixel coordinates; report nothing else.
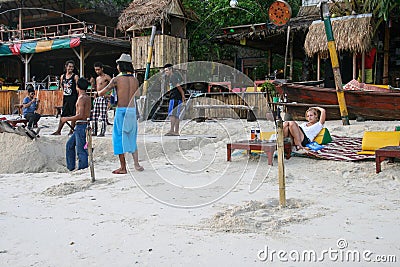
(52, 217)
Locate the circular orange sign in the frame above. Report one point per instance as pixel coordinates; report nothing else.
(279, 13)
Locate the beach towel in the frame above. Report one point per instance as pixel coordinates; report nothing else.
(124, 131)
(342, 148)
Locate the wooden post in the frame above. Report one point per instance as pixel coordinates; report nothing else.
(385, 79)
(286, 51)
(281, 165)
(354, 66)
(363, 67)
(26, 61)
(335, 63)
(318, 67)
(291, 57)
(90, 151)
(269, 61)
(81, 61)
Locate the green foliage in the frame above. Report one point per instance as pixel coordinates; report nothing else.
(269, 88)
(380, 8)
(216, 14)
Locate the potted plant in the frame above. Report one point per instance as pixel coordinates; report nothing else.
(270, 89)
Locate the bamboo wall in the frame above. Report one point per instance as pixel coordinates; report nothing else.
(167, 49)
(48, 100)
(7, 101)
(254, 99)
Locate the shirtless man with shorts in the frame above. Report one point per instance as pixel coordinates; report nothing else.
(125, 121)
(101, 102)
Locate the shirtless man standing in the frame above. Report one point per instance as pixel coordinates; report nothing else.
(75, 144)
(100, 103)
(125, 122)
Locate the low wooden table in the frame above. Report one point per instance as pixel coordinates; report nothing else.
(268, 147)
(381, 154)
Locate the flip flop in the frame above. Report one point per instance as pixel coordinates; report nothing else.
(169, 134)
(118, 171)
(139, 169)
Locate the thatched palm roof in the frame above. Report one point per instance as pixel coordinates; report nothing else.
(145, 13)
(352, 33)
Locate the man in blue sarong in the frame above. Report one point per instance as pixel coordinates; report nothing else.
(125, 122)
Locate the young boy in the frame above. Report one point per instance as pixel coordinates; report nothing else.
(75, 144)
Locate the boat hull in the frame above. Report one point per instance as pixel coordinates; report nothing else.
(370, 105)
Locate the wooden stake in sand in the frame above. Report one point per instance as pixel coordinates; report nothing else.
(90, 150)
(281, 166)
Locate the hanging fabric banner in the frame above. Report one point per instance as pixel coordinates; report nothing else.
(39, 46)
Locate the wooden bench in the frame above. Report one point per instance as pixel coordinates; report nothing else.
(14, 122)
(381, 154)
(201, 110)
(58, 110)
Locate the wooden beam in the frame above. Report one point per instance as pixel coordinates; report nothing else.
(52, 15)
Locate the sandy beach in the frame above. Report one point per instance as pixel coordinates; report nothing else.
(192, 207)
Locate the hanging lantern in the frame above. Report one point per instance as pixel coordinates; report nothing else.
(279, 13)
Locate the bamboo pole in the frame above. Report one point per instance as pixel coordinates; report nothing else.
(146, 75)
(281, 166)
(148, 63)
(335, 63)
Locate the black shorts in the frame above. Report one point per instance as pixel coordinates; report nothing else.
(305, 141)
(69, 106)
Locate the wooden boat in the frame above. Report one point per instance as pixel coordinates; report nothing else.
(368, 104)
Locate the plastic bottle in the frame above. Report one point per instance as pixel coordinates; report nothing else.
(252, 134)
(258, 134)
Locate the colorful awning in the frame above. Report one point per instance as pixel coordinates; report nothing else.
(38, 46)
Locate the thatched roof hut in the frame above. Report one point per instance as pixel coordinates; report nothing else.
(266, 36)
(352, 33)
(146, 13)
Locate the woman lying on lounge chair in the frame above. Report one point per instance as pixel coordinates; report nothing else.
(307, 131)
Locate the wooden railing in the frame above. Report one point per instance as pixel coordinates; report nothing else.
(59, 30)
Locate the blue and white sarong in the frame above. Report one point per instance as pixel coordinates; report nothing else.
(125, 130)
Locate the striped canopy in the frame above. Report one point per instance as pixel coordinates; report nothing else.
(38, 46)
